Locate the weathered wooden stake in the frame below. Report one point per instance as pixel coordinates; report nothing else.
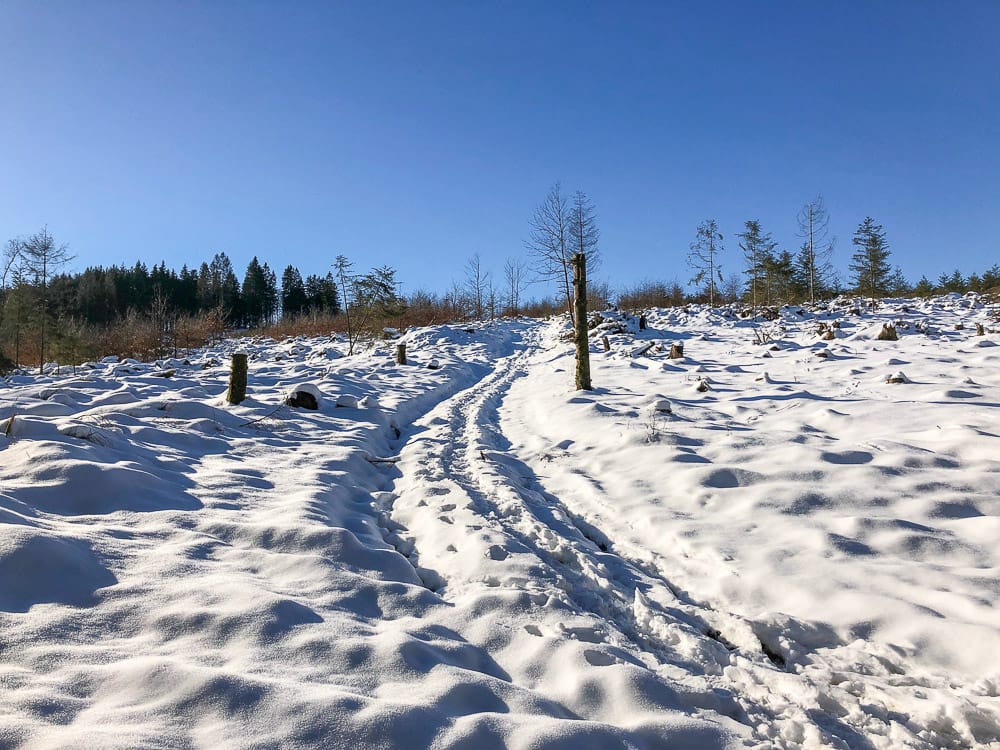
(400, 354)
(237, 379)
(580, 334)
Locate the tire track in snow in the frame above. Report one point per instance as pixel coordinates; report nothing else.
(458, 453)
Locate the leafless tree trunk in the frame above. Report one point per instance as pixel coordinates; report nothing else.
(580, 330)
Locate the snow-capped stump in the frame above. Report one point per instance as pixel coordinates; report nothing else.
(702, 385)
(305, 396)
(433, 365)
(980, 330)
(347, 401)
(676, 351)
(888, 333)
(898, 377)
(368, 402)
(662, 406)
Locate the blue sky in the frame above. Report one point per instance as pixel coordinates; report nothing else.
(415, 134)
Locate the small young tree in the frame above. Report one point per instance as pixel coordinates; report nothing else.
(870, 261)
(42, 257)
(756, 246)
(813, 262)
(703, 257)
(477, 285)
(514, 275)
(342, 271)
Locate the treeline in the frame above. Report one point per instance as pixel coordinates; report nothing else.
(102, 295)
(142, 312)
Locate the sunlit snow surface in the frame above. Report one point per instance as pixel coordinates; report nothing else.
(802, 555)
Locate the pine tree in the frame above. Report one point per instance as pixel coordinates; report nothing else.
(293, 293)
(870, 261)
(757, 246)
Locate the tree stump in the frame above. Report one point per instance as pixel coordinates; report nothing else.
(980, 330)
(676, 351)
(237, 379)
(642, 322)
(607, 344)
(400, 354)
(580, 334)
(829, 335)
(888, 333)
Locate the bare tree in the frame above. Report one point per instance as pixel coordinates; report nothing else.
(703, 257)
(41, 258)
(549, 240)
(477, 285)
(814, 269)
(514, 272)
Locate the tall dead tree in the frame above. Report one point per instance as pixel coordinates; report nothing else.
(813, 262)
(580, 327)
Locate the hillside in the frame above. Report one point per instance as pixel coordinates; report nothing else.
(760, 544)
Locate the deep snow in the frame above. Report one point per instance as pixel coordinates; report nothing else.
(801, 555)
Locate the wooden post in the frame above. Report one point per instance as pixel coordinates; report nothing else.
(580, 305)
(400, 354)
(237, 379)
(607, 344)
(642, 322)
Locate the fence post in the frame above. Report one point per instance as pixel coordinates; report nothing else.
(400, 354)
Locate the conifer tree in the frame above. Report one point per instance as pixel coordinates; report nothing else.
(870, 261)
(757, 246)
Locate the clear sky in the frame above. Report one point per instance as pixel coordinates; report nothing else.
(415, 134)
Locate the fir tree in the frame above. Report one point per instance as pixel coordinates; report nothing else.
(870, 261)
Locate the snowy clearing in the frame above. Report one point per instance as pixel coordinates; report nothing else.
(755, 545)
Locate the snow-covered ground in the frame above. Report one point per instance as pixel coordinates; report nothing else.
(756, 545)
